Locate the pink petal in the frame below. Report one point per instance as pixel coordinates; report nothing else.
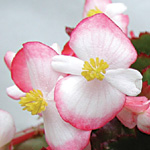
(90, 4)
(14, 92)
(61, 135)
(137, 104)
(127, 118)
(7, 128)
(128, 81)
(8, 58)
(20, 72)
(143, 121)
(122, 21)
(67, 50)
(38, 58)
(32, 64)
(98, 36)
(87, 105)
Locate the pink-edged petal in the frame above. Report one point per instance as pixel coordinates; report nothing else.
(67, 64)
(87, 105)
(20, 72)
(7, 128)
(128, 81)
(14, 92)
(60, 135)
(143, 121)
(127, 118)
(122, 21)
(8, 58)
(91, 4)
(38, 58)
(137, 104)
(98, 36)
(113, 9)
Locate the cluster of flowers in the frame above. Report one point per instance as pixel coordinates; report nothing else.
(83, 87)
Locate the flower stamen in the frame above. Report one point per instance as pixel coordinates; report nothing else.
(94, 69)
(34, 102)
(92, 12)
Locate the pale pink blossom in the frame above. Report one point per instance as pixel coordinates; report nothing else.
(90, 97)
(7, 128)
(136, 112)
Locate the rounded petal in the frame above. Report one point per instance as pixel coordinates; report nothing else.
(91, 4)
(137, 104)
(87, 105)
(14, 92)
(7, 128)
(98, 36)
(127, 118)
(38, 58)
(60, 135)
(115, 9)
(8, 58)
(20, 72)
(67, 64)
(31, 68)
(143, 121)
(122, 21)
(128, 81)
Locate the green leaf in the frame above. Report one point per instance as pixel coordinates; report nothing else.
(146, 75)
(142, 62)
(35, 143)
(142, 44)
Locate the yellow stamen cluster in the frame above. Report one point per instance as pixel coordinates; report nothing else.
(34, 102)
(92, 12)
(94, 69)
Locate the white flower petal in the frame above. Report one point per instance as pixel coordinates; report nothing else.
(113, 9)
(67, 64)
(60, 135)
(7, 128)
(128, 81)
(56, 47)
(14, 92)
(87, 105)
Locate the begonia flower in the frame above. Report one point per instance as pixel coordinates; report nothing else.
(100, 76)
(112, 10)
(7, 128)
(33, 75)
(136, 111)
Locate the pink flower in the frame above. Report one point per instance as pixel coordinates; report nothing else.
(7, 128)
(136, 111)
(34, 81)
(100, 77)
(112, 10)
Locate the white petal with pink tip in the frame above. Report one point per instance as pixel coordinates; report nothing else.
(87, 105)
(61, 135)
(98, 36)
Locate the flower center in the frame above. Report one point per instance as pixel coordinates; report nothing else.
(94, 69)
(33, 102)
(92, 12)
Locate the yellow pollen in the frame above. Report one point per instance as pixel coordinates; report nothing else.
(92, 12)
(33, 102)
(94, 69)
